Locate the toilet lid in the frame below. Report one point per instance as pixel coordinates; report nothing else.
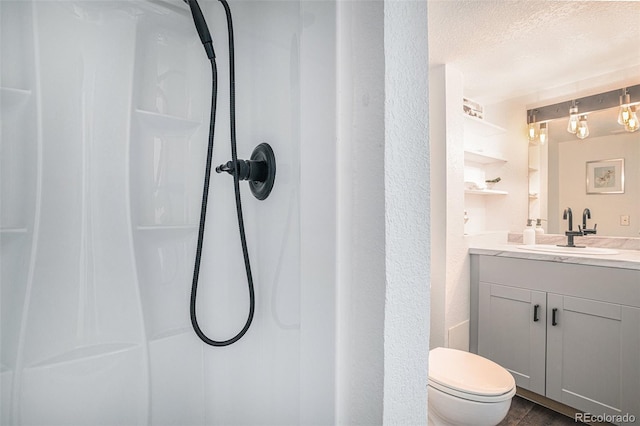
(470, 374)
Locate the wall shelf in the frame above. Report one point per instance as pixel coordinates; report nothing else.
(485, 192)
(482, 157)
(481, 127)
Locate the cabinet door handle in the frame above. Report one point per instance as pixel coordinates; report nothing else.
(554, 311)
(535, 313)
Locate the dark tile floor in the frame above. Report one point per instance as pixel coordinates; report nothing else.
(527, 413)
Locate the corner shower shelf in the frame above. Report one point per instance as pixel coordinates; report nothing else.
(85, 352)
(10, 234)
(166, 232)
(167, 228)
(166, 123)
(4, 231)
(12, 97)
(162, 6)
(170, 333)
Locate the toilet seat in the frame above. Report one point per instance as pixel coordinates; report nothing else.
(469, 376)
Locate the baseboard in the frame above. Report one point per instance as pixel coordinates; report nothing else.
(553, 405)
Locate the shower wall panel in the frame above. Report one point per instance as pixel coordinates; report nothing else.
(18, 170)
(105, 116)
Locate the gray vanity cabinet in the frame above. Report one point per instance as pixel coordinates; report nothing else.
(593, 355)
(569, 332)
(509, 334)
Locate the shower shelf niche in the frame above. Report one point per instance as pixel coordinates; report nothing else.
(167, 124)
(13, 231)
(170, 333)
(168, 228)
(12, 97)
(83, 352)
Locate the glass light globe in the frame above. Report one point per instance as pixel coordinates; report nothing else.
(583, 129)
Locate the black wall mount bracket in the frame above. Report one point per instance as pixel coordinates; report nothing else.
(260, 170)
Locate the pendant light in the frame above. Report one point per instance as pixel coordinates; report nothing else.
(572, 127)
(544, 133)
(582, 130)
(625, 112)
(532, 132)
(632, 124)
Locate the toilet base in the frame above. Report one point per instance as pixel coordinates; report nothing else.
(462, 412)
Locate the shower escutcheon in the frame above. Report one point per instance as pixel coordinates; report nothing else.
(260, 170)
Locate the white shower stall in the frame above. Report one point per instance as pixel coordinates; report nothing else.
(105, 114)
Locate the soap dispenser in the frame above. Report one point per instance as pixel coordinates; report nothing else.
(529, 234)
(539, 229)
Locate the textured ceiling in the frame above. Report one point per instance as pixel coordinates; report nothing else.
(515, 48)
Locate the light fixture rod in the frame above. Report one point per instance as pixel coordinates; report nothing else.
(586, 104)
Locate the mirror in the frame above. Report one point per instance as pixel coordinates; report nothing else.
(560, 168)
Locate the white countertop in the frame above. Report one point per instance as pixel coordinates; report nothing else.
(625, 259)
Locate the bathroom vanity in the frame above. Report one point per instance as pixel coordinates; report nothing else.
(567, 327)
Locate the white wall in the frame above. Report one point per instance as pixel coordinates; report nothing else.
(439, 181)
(487, 214)
(449, 275)
(407, 204)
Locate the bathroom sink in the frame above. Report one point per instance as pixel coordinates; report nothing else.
(568, 250)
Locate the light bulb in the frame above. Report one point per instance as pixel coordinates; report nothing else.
(624, 114)
(572, 127)
(543, 133)
(632, 124)
(532, 132)
(583, 129)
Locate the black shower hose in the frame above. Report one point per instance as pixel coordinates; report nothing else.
(236, 186)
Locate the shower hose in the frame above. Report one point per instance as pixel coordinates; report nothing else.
(236, 185)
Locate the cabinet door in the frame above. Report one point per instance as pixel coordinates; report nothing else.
(511, 332)
(593, 355)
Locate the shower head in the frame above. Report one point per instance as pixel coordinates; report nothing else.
(201, 27)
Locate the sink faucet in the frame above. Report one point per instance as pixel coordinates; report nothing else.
(568, 215)
(586, 214)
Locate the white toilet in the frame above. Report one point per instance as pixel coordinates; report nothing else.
(467, 389)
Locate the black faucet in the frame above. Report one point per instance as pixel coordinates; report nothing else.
(568, 215)
(586, 214)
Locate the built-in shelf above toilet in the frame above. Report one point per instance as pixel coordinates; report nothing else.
(482, 157)
(481, 127)
(485, 192)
